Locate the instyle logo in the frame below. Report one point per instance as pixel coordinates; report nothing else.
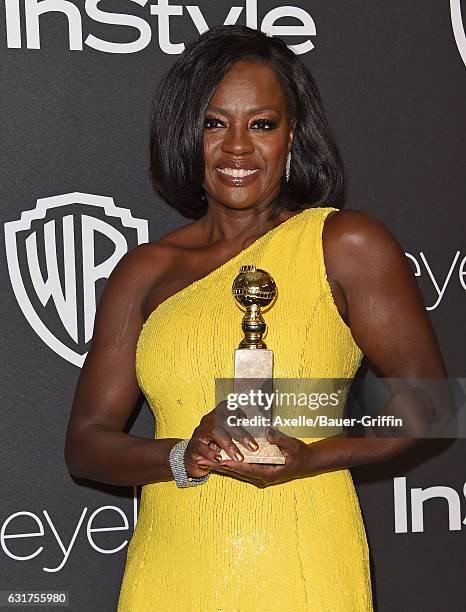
(451, 500)
(52, 254)
(25, 535)
(160, 12)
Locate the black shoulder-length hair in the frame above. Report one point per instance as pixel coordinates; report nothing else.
(176, 155)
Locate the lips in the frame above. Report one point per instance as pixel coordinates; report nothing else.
(235, 177)
(237, 172)
(238, 164)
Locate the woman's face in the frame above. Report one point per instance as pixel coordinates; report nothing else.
(247, 136)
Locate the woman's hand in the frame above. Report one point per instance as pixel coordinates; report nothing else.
(210, 436)
(298, 463)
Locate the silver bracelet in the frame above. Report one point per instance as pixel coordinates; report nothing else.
(178, 468)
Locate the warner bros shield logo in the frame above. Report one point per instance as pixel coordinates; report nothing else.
(458, 27)
(59, 255)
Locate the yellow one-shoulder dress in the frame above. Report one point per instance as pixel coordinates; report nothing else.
(227, 545)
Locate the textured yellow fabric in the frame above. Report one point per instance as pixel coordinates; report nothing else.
(226, 545)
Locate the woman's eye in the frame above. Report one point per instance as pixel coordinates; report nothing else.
(209, 121)
(265, 124)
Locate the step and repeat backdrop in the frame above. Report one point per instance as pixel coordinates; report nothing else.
(76, 84)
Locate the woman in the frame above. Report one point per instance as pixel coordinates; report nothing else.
(240, 143)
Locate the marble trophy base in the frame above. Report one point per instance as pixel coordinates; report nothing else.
(253, 370)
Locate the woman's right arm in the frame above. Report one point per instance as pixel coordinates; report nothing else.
(96, 447)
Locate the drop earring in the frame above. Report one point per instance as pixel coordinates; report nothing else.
(288, 165)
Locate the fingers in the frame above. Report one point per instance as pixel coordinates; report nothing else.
(280, 439)
(199, 458)
(244, 437)
(237, 432)
(221, 438)
(214, 432)
(225, 439)
(227, 444)
(217, 440)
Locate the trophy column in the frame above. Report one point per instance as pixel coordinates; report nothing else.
(255, 290)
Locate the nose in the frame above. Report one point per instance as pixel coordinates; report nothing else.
(237, 140)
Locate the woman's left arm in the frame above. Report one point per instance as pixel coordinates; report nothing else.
(388, 321)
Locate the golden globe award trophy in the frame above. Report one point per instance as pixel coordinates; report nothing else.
(254, 289)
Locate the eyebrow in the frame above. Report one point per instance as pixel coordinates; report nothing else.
(253, 111)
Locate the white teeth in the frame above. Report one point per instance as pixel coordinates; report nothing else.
(237, 171)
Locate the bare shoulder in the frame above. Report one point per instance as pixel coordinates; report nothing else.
(147, 262)
(183, 237)
(136, 268)
(140, 273)
(357, 228)
(355, 241)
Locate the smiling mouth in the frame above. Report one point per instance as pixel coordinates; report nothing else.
(237, 172)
